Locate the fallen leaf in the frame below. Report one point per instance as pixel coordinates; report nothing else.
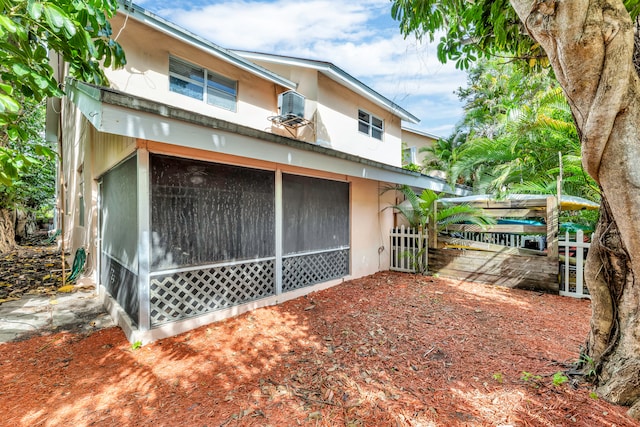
(315, 415)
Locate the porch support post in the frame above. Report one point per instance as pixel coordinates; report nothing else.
(552, 228)
(278, 229)
(144, 253)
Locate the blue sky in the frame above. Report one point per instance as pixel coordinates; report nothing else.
(358, 36)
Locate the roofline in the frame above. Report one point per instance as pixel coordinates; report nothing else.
(419, 132)
(91, 101)
(133, 11)
(336, 74)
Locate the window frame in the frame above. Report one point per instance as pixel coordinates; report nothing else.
(371, 127)
(212, 84)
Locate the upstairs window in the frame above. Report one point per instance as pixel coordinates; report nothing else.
(410, 156)
(371, 125)
(200, 83)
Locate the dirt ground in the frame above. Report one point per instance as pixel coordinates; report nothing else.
(385, 350)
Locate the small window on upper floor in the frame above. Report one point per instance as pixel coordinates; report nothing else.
(200, 83)
(410, 156)
(371, 125)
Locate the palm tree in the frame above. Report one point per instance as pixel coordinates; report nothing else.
(420, 211)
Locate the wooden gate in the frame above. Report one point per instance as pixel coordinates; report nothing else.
(408, 250)
(572, 257)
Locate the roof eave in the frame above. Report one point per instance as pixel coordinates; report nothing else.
(340, 76)
(95, 101)
(154, 21)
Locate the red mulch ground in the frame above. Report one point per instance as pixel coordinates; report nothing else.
(386, 350)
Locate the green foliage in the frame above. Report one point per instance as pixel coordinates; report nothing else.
(515, 126)
(79, 31)
(28, 164)
(474, 29)
(587, 365)
(443, 155)
(412, 167)
(498, 377)
(136, 345)
(531, 379)
(559, 378)
(32, 31)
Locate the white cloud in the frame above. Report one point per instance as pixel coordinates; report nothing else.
(357, 36)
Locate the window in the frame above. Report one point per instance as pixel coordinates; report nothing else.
(200, 83)
(409, 156)
(371, 125)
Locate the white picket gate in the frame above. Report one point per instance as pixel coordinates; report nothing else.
(408, 250)
(572, 256)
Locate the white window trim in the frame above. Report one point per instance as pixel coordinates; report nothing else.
(370, 125)
(411, 155)
(204, 84)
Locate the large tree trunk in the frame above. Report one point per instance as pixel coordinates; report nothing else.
(7, 231)
(590, 46)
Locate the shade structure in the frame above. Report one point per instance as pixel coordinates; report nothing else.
(567, 203)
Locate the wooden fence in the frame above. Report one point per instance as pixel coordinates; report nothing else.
(490, 258)
(507, 254)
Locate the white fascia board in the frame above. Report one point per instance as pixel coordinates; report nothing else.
(151, 20)
(139, 124)
(422, 133)
(338, 75)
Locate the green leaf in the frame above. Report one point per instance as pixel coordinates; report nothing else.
(41, 81)
(8, 89)
(55, 17)
(69, 28)
(8, 104)
(20, 69)
(34, 9)
(45, 151)
(13, 133)
(8, 24)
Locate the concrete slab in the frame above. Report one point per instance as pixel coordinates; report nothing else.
(78, 311)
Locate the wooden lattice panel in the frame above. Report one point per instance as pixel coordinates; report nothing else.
(192, 293)
(306, 270)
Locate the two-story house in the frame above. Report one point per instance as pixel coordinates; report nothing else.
(204, 182)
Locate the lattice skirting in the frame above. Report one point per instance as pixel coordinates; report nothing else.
(306, 270)
(192, 293)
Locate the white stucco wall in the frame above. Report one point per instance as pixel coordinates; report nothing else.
(147, 75)
(370, 225)
(338, 124)
(417, 140)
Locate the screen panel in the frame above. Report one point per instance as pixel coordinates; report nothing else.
(315, 214)
(204, 212)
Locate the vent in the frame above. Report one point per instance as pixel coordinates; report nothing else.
(291, 105)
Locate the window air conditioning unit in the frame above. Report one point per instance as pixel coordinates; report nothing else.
(291, 104)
